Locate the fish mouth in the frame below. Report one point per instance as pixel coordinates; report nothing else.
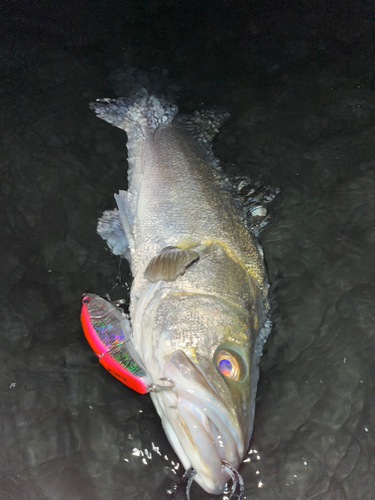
(200, 427)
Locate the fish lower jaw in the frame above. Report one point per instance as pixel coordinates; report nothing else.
(210, 474)
(195, 441)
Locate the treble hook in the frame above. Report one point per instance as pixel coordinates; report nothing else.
(159, 388)
(187, 479)
(185, 483)
(238, 486)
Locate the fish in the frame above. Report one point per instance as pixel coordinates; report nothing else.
(199, 307)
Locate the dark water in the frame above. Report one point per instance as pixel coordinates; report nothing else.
(299, 83)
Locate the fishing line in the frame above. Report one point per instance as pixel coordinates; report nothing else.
(120, 281)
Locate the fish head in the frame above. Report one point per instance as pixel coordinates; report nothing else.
(202, 347)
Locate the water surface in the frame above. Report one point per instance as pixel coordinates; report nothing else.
(302, 118)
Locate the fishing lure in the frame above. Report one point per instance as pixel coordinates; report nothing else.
(107, 330)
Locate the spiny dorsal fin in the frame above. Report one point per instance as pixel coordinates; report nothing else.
(204, 124)
(170, 263)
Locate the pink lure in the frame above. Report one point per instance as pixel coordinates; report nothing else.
(101, 323)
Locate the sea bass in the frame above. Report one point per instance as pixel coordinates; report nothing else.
(199, 298)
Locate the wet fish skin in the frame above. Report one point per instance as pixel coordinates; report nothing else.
(178, 197)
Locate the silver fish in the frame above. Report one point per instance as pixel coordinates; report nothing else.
(199, 298)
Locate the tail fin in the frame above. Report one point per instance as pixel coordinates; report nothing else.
(138, 114)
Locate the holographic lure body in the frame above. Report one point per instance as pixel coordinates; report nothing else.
(107, 330)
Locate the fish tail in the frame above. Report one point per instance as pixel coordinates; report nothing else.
(139, 115)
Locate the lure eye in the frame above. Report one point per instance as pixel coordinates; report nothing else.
(228, 365)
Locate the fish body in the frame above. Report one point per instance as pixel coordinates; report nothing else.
(199, 306)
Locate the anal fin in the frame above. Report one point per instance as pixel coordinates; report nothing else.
(111, 230)
(116, 226)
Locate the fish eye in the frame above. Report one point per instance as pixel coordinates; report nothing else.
(228, 365)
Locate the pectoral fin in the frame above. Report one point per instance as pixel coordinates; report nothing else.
(169, 264)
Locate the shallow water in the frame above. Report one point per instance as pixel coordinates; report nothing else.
(302, 117)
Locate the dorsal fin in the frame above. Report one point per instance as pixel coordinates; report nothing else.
(204, 124)
(170, 263)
